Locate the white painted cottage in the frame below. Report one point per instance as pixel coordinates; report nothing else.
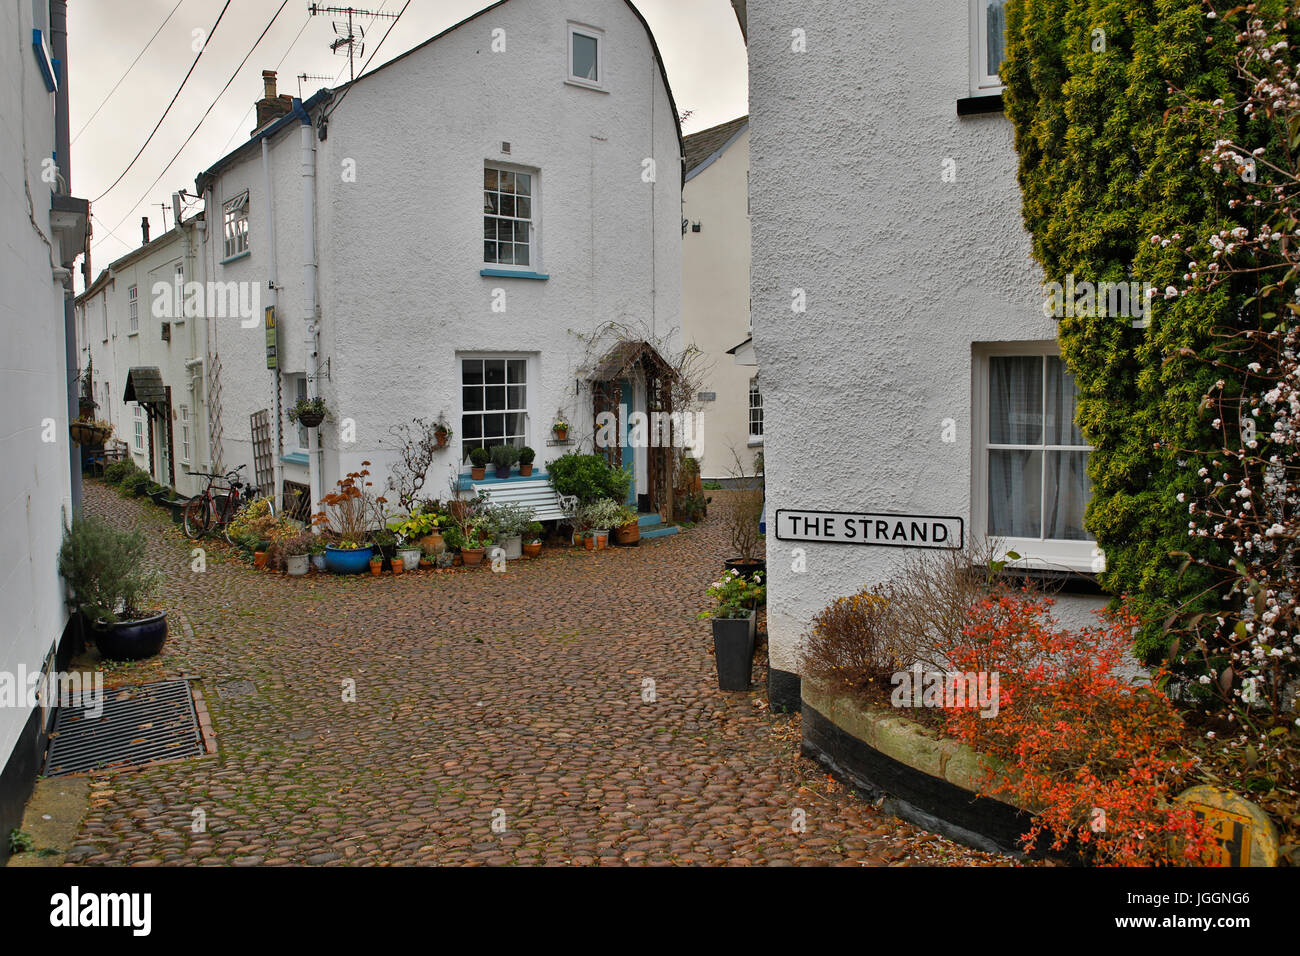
(910, 378)
(431, 237)
(715, 295)
(44, 232)
(136, 337)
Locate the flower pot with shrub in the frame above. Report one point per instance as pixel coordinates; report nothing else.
(111, 589)
(473, 539)
(293, 551)
(526, 457)
(478, 458)
(533, 539)
(629, 532)
(601, 515)
(348, 512)
(90, 432)
(736, 600)
(376, 565)
(309, 412)
(588, 478)
(503, 457)
(442, 433)
(508, 523)
(744, 511)
(348, 557)
(561, 429)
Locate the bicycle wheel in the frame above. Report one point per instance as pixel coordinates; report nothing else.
(196, 517)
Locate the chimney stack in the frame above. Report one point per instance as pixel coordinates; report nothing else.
(144, 229)
(271, 106)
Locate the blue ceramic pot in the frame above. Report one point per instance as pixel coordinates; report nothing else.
(343, 561)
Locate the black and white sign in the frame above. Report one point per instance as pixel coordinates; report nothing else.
(890, 530)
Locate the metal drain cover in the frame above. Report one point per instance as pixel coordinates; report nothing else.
(138, 725)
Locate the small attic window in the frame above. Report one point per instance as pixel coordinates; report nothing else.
(586, 49)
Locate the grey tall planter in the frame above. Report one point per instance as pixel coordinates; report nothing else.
(733, 647)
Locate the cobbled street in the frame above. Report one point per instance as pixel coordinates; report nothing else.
(515, 695)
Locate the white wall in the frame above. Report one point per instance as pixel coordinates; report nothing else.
(34, 477)
(902, 274)
(715, 302)
(400, 248)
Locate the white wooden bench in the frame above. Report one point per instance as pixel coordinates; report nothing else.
(536, 494)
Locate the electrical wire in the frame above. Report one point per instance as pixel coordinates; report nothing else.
(206, 41)
(206, 113)
(373, 52)
(128, 71)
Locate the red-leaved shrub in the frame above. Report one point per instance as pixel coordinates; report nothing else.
(1090, 752)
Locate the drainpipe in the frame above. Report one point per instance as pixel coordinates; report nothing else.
(63, 143)
(273, 285)
(311, 330)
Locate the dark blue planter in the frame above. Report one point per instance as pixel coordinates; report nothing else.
(342, 561)
(131, 640)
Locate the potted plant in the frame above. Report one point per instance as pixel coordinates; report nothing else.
(478, 458)
(376, 564)
(317, 553)
(734, 614)
(533, 539)
(385, 544)
(308, 411)
(503, 456)
(90, 431)
(526, 456)
(601, 515)
(296, 549)
(474, 538)
(561, 429)
(442, 432)
(104, 568)
(629, 532)
(347, 512)
(408, 534)
(508, 522)
(744, 511)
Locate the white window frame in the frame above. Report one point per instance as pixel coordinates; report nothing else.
(183, 413)
(981, 82)
(1035, 553)
(133, 310)
(137, 428)
(178, 311)
(234, 212)
(594, 33)
(530, 377)
(300, 431)
(755, 437)
(534, 231)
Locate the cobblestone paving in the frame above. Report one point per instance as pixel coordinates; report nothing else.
(517, 695)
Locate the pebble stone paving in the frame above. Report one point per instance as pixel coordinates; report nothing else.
(514, 697)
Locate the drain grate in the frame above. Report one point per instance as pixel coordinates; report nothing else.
(138, 725)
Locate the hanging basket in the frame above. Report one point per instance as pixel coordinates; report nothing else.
(86, 433)
(311, 419)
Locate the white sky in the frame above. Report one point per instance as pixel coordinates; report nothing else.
(700, 41)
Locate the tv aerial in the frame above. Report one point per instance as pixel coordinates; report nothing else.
(349, 35)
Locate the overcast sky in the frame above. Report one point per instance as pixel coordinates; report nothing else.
(703, 52)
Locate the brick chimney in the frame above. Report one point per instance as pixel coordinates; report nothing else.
(271, 107)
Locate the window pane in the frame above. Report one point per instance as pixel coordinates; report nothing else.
(515, 396)
(494, 371)
(494, 429)
(489, 178)
(472, 398)
(1062, 403)
(471, 427)
(521, 256)
(1068, 490)
(495, 398)
(1016, 400)
(471, 372)
(517, 369)
(584, 57)
(524, 208)
(515, 428)
(489, 228)
(996, 39)
(507, 182)
(1015, 493)
(507, 205)
(524, 184)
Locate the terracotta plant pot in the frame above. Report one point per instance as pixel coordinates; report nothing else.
(432, 544)
(259, 559)
(442, 439)
(630, 533)
(589, 542)
(561, 434)
(525, 471)
(377, 566)
(602, 540)
(477, 474)
(457, 560)
(532, 549)
(425, 564)
(472, 556)
(399, 566)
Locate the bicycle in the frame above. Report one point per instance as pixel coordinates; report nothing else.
(203, 513)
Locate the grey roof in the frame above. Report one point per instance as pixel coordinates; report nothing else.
(703, 146)
(144, 384)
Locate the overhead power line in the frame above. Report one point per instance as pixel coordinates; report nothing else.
(206, 113)
(128, 71)
(373, 52)
(206, 41)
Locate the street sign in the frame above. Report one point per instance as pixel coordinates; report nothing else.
(272, 339)
(887, 530)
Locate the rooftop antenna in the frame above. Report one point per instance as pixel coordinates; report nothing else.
(347, 33)
(304, 77)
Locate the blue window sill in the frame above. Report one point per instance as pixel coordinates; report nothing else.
(49, 67)
(466, 481)
(511, 274)
(243, 255)
(297, 458)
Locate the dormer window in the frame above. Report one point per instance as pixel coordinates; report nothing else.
(586, 52)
